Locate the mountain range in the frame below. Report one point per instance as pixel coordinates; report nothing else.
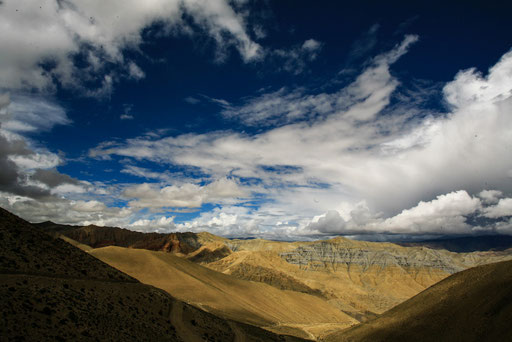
(72, 282)
(53, 291)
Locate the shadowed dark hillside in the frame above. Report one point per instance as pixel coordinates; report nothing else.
(52, 291)
(472, 305)
(26, 250)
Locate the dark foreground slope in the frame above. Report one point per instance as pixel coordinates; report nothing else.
(52, 291)
(472, 305)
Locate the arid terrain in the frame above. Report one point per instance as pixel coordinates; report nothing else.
(472, 305)
(313, 290)
(53, 291)
(86, 283)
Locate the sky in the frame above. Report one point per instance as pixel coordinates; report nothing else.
(287, 120)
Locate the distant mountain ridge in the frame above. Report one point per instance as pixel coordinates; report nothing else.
(466, 244)
(96, 237)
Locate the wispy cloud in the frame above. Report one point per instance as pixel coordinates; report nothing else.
(358, 151)
(294, 59)
(40, 41)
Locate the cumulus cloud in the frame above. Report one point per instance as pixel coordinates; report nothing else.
(444, 215)
(502, 209)
(447, 214)
(66, 211)
(27, 170)
(11, 178)
(234, 221)
(490, 196)
(161, 224)
(53, 178)
(88, 206)
(40, 40)
(337, 147)
(330, 222)
(185, 196)
(310, 153)
(29, 173)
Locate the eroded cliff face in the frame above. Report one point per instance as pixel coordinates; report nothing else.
(330, 255)
(359, 278)
(96, 237)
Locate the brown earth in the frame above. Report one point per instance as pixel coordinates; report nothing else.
(53, 291)
(97, 237)
(255, 303)
(472, 305)
(359, 279)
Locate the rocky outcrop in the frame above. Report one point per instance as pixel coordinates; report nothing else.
(331, 254)
(210, 252)
(357, 277)
(97, 237)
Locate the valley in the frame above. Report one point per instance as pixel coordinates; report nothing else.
(306, 289)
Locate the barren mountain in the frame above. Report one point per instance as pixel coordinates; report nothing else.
(249, 302)
(359, 279)
(52, 291)
(96, 237)
(473, 305)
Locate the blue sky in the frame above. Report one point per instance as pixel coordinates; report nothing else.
(276, 119)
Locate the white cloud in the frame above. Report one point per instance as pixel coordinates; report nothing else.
(89, 206)
(162, 224)
(66, 211)
(135, 71)
(39, 40)
(65, 189)
(502, 209)
(184, 196)
(312, 153)
(294, 59)
(331, 222)
(444, 215)
(192, 100)
(472, 89)
(232, 221)
(23, 114)
(311, 45)
(490, 196)
(41, 159)
(338, 147)
(361, 100)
